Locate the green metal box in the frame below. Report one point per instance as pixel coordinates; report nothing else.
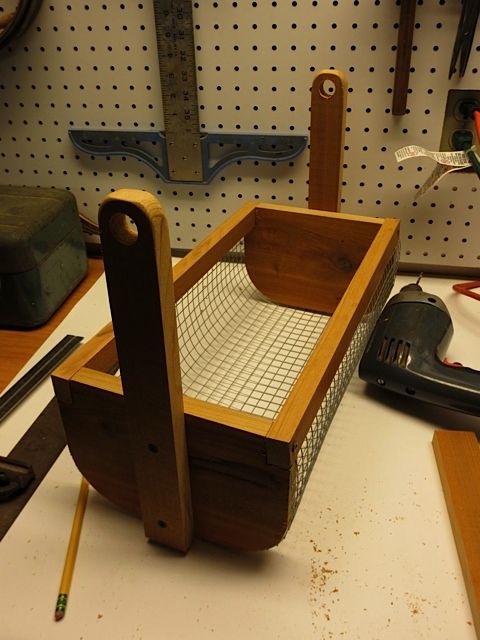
(42, 253)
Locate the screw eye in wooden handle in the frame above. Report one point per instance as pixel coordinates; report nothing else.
(327, 134)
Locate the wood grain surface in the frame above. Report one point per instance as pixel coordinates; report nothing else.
(138, 269)
(327, 134)
(458, 460)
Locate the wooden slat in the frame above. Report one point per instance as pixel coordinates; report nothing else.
(458, 460)
(327, 133)
(98, 353)
(231, 418)
(306, 259)
(283, 208)
(303, 402)
(138, 271)
(197, 262)
(238, 499)
(213, 413)
(97, 380)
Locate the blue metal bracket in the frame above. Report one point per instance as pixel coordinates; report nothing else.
(218, 149)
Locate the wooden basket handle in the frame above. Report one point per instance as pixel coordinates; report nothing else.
(327, 133)
(140, 288)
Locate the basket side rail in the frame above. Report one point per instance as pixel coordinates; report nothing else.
(100, 352)
(299, 410)
(198, 261)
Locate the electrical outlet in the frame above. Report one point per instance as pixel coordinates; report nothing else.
(454, 120)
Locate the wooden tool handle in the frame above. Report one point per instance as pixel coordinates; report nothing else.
(140, 288)
(327, 133)
(404, 54)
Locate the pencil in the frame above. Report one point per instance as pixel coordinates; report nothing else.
(72, 549)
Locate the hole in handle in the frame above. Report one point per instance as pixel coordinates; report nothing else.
(327, 89)
(123, 228)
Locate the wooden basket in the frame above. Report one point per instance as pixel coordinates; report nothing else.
(231, 366)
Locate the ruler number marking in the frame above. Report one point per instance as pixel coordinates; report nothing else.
(176, 53)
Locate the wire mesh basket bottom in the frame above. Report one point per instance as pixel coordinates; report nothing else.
(242, 351)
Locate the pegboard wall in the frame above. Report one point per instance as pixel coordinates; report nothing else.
(95, 65)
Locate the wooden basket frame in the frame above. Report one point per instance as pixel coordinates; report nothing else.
(255, 456)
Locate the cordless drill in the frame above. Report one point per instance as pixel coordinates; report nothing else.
(405, 353)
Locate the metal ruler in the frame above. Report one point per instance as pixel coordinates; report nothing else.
(176, 57)
(27, 383)
(181, 153)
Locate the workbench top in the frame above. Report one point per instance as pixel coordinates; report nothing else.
(17, 346)
(370, 553)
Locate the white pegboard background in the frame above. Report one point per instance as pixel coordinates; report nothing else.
(95, 65)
